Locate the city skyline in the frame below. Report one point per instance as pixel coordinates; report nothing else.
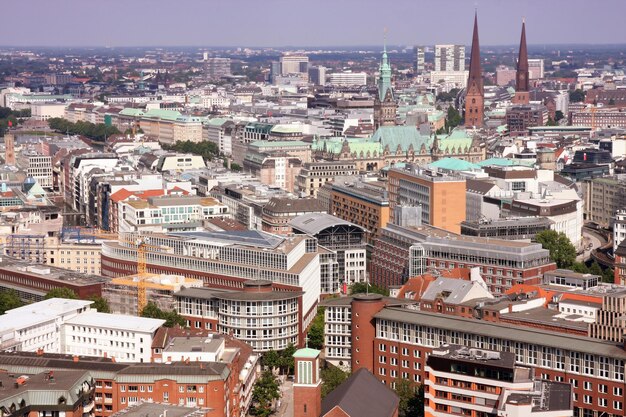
(228, 24)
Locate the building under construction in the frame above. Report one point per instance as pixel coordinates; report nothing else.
(122, 293)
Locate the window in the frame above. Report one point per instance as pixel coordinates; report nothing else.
(587, 399)
(617, 391)
(602, 402)
(617, 405)
(587, 386)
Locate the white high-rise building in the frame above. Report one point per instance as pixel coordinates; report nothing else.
(420, 59)
(449, 57)
(535, 69)
(295, 65)
(348, 78)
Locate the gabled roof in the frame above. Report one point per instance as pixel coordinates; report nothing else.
(454, 164)
(401, 136)
(362, 395)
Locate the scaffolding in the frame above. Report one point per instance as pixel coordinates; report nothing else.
(26, 247)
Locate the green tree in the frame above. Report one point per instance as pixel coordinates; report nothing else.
(561, 249)
(172, 318)
(362, 287)
(266, 390)
(577, 96)
(206, 149)
(608, 275)
(332, 377)
(61, 292)
(558, 115)
(271, 359)
(453, 118)
(551, 122)
(286, 361)
(595, 268)
(100, 304)
(316, 331)
(411, 398)
(579, 267)
(9, 299)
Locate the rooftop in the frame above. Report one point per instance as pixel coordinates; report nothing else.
(116, 321)
(313, 223)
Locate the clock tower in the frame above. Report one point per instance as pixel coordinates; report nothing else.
(522, 94)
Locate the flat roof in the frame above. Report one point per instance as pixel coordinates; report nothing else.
(195, 344)
(502, 331)
(254, 238)
(117, 321)
(144, 409)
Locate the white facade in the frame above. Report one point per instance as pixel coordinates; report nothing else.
(449, 79)
(45, 111)
(535, 68)
(337, 335)
(355, 266)
(40, 168)
(619, 228)
(37, 326)
(348, 78)
(125, 338)
(180, 162)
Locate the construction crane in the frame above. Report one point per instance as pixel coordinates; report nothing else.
(142, 298)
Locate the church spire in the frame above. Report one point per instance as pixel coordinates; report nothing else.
(521, 75)
(475, 69)
(474, 97)
(384, 80)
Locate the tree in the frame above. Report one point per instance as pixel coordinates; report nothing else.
(286, 361)
(577, 96)
(271, 359)
(561, 249)
(9, 299)
(61, 292)
(266, 390)
(558, 115)
(332, 377)
(608, 275)
(411, 398)
(362, 287)
(100, 304)
(316, 331)
(172, 318)
(551, 122)
(453, 119)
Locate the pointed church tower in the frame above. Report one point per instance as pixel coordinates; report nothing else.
(385, 106)
(474, 98)
(522, 95)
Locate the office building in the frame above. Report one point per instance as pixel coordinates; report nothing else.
(480, 382)
(399, 342)
(279, 212)
(295, 65)
(40, 169)
(441, 197)
(215, 68)
(363, 204)
(346, 239)
(420, 59)
(536, 68)
(263, 314)
(317, 75)
(226, 260)
(313, 175)
(520, 118)
(449, 57)
(603, 197)
(503, 263)
(348, 79)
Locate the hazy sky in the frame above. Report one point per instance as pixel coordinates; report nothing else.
(305, 22)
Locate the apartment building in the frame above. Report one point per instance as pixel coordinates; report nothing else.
(261, 315)
(348, 79)
(314, 175)
(441, 197)
(480, 382)
(449, 57)
(225, 260)
(168, 126)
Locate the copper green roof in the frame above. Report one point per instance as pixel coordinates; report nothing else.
(402, 137)
(454, 164)
(306, 353)
(457, 141)
(506, 162)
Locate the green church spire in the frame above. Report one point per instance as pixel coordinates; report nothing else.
(384, 80)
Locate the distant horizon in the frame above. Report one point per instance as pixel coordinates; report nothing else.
(295, 47)
(145, 23)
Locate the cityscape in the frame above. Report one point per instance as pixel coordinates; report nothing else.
(298, 210)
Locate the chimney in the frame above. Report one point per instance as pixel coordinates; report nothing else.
(75, 358)
(40, 352)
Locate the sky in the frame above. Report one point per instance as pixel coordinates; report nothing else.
(280, 23)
